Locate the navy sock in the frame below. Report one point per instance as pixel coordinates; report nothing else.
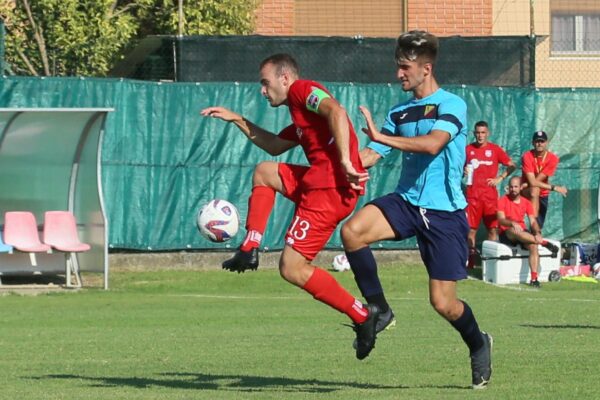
(364, 267)
(467, 326)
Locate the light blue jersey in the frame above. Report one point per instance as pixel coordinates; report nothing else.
(430, 181)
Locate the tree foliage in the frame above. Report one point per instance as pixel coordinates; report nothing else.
(86, 37)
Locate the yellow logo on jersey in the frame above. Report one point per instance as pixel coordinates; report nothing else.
(429, 109)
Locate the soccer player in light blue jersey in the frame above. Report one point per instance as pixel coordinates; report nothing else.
(431, 131)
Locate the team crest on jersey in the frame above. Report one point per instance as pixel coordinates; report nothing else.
(299, 132)
(430, 110)
(488, 153)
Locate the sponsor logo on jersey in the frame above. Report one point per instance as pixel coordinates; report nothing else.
(476, 163)
(430, 109)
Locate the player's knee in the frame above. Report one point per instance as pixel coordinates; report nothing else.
(294, 272)
(262, 172)
(350, 232)
(441, 305)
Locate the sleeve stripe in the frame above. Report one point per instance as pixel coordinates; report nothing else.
(452, 119)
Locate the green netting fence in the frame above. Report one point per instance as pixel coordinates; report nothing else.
(161, 161)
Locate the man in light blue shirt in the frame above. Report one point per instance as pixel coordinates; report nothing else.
(431, 131)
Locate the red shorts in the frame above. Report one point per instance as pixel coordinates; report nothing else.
(482, 208)
(318, 211)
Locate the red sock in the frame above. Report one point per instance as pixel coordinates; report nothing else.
(323, 287)
(260, 205)
(534, 276)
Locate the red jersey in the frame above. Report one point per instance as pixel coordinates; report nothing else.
(312, 132)
(485, 161)
(515, 211)
(546, 164)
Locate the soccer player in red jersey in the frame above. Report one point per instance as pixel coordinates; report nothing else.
(484, 157)
(512, 209)
(325, 192)
(538, 166)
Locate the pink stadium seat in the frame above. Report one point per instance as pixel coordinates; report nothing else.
(60, 232)
(21, 232)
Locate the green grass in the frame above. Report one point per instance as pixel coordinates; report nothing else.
(218, 335)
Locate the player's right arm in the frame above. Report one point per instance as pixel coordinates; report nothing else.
(268, 141)
(504, 221)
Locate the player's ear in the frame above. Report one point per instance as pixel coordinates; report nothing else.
(428, 67)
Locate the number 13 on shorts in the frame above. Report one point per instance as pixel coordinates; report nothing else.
(299, 229)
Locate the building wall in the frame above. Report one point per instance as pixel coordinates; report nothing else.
(552, 72)
(451, 17)
(275, 18)
(385, 18)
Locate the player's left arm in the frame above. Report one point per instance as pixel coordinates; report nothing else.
(431, 143)
(337, 119)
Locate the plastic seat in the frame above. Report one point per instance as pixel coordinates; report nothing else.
(60, 232)
(5, 248)
(21, 232)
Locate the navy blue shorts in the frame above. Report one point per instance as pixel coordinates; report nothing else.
(441, 235)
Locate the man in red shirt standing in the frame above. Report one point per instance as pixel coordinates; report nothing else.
(484, 158)
(325, 192)
(512, 209)
(538, 166)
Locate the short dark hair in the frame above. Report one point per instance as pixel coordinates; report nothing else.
(283, 62)
(417, 45)
(480, 124)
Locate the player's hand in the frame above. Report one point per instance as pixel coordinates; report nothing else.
(355, 178)
(221, 113)
(371, 129)
(493, 181)
(538, 238)
(561, 189)
(516, 227)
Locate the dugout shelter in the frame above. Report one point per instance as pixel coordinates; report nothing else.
(50, 161)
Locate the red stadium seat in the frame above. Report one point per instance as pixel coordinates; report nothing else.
(21, 232)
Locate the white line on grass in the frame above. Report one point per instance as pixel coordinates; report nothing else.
(303, 298)
(237, 297)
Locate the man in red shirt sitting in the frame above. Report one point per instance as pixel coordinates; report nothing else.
(538, 166)
(484, 157)
(512, 209)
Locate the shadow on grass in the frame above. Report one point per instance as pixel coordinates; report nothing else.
(240, 383)
(565, 326)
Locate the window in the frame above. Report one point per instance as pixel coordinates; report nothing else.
(576, 34)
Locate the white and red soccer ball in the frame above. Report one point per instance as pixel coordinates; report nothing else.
(218, 220)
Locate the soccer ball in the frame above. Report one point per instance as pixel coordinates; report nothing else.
(340, 263)
(218, 220)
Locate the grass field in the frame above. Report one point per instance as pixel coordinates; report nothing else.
(218, 335)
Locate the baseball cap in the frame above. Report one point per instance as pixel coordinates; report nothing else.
(539, 135)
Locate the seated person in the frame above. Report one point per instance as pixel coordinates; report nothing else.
(512, 209)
